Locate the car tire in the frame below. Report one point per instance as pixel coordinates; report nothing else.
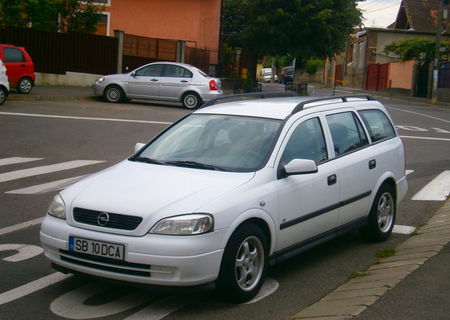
(382, 215)
(114, 94)
(244, 264)
(3, 94)
(25, 85)
(191, 100)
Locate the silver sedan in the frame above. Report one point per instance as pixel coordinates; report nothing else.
(166, 81)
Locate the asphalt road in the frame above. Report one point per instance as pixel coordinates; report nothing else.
(56, 132)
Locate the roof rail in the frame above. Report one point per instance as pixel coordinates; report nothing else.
(253, 95)
(344, 98)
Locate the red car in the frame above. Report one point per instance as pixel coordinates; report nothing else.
(19, 67)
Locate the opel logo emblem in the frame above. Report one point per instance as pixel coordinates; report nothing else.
(103, 218)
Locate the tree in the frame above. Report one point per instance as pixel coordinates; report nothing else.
(414, 49)
(304, 28)
(50, 15)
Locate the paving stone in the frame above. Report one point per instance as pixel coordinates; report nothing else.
(412, 256)
(322, 318)
(354, 301)
(400, 252)
(400, 263)
(351, 285)
(325, 309)
(422, 243)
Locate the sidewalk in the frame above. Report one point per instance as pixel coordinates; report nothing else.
(66, 93)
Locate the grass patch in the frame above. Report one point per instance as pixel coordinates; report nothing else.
(386, 253)
(415, 233)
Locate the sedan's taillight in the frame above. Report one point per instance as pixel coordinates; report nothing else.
(212, 85)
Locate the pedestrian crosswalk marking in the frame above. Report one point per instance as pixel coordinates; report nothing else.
(46, 187)
(25, 173)
(437, 190)
(16, 160)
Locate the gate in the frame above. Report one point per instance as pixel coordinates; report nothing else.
(377, 77)
(422, 80)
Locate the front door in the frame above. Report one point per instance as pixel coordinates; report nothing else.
(16, 65)
(145, 82)
(307, 202)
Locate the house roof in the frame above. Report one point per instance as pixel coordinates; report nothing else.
(419, 15)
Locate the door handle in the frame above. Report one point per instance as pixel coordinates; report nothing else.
(184, 81)
(22, 65)
(332, 179)
(372, 164)
(154, 80)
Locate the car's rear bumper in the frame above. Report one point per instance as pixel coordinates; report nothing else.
(188, 268)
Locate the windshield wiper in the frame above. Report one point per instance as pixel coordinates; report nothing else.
(149, 160)
(194, 164)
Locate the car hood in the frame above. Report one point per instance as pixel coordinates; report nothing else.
(151, 191)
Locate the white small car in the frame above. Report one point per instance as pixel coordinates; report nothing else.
(4, 84)
(230, 187)
(164, 81)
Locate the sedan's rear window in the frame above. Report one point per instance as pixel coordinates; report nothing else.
(378, 125)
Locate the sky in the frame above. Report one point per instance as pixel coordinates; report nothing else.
(379, 13)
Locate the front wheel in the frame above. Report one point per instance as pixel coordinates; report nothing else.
(25, 85)
(382, 215)
(191, 100)
(2, 95)
(114, 94)
(244, 263)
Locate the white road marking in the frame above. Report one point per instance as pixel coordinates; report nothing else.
(420, 114)
(270, 286)
(160, 309)
(32, 287)
(411, 128)
(407, 172)
(82, 118)
(403, 229)
(71, 304)
(439, 130)
(437, 190)
(46, 187)
(20, 226)
(14, 160)
(425, 138)
(24, 251)
(24, 173)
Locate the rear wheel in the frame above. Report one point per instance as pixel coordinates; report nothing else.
(2, 95)
(191, 100)
(25, 85)
(244, 264)
(114, 94)
(382, 215)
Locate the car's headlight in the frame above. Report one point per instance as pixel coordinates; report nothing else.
(188, 224)
(100, 79)
(57, 208)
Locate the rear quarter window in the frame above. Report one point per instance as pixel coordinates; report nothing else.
(378, 124)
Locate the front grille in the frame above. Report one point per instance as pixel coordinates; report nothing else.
(107, 264)
(116, 221)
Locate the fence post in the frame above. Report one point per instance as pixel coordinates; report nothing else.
(119, 35)
(181, 51)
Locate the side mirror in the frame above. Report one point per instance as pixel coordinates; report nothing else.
(300, 166)
(133, 74)
(138, 146)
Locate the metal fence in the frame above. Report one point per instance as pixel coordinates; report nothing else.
(54, 52)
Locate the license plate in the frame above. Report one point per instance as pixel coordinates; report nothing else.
(97, 248)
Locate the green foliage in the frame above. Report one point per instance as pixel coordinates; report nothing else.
(43, 14)
(313, 28)
(312, 64)
(386, 253)
(414, 48)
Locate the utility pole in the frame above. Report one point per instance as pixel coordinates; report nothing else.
(437, 53)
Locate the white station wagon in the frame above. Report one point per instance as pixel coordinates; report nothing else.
(228, 189)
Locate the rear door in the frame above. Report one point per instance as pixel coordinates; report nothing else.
(174, 82)
(16, 64)
(357, 162)
(145, 82)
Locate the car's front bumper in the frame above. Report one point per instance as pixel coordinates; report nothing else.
(151, 259)
(98, 89)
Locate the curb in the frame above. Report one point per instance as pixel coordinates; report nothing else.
(50, 98)
(355, 296)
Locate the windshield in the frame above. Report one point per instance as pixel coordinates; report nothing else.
(214, 142)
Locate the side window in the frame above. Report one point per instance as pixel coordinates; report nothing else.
(176, 72)
(13, 55)
(347, 132)
(378, 124)
(150, 71)
(306, 142)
